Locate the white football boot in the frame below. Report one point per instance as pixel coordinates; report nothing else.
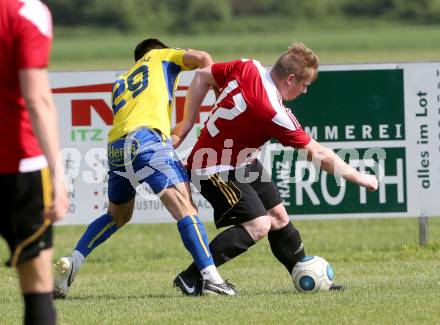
(64, 275)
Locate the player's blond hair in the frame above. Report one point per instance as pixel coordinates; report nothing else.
(298, 60)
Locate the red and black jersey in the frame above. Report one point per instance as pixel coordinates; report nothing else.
(25, 40)
(248, 113)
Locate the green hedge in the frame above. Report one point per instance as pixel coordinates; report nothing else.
(187, 16)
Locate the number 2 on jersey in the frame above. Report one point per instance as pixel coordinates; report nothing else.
(135, 87)
(226, 113)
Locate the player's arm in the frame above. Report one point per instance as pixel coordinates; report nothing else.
(288, 132)
(202, 82)
(34, 84)
(194, 59)
(333, 164)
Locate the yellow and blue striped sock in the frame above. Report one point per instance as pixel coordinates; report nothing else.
(195, 239)
(96, 233)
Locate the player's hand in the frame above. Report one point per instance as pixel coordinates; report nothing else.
(369, 181)
(60, 201)
(180, 132)
(175, 140)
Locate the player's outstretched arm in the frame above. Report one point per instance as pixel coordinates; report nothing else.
(203, 80)
(34, 85)
(333, 164)
(194, 59)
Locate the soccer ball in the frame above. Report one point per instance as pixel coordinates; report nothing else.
(312, 273)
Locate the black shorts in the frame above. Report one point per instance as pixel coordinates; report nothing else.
(239, 195)
(23, 197)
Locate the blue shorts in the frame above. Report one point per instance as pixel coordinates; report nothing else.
(142, 156)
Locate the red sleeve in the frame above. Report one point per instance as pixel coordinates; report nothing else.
(296, 139)
(34, 36)
(221, 71)
(286, 129)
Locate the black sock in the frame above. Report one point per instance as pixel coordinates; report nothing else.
(286, 245)
(39, 309)
(227, 245)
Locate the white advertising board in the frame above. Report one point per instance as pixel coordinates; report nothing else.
(401, 115)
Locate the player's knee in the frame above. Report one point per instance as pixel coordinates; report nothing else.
(279, 217)
(35, 274)
(121, 213)
(191, 210)
(178, 202)
(181, 212)
(184, 208)
(121, 219)
(262, 230)
(279, 221)
(258, 228)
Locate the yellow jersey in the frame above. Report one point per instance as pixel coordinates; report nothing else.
(143, 96)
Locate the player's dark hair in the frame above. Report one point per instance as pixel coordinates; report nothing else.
(146, 46)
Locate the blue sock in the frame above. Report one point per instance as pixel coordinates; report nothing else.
(96, 233)
(195, 239)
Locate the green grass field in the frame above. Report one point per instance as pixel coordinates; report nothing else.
(391, 279)
(340, 41)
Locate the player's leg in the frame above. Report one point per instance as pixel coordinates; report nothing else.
(36, 282)
(177, 199)
(23, 197)
(235, 204)
(96, 234)
(118, 214)
(260, 194)
(161, 169)
(284, 239)
(101, 229)
(236, 240)
(246, 213)
(121, 194)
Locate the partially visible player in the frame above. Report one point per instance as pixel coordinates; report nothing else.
(32, 193)
(248, 113)
(140, 151)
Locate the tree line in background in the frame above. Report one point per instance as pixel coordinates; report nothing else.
(195, 15)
